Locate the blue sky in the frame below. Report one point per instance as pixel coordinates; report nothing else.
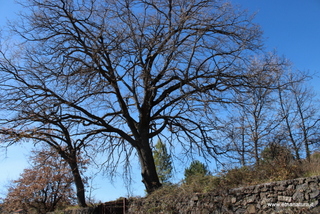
(291, 27)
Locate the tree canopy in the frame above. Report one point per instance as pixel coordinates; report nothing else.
(44, 187)
(126, 72)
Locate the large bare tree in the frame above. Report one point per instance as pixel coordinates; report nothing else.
(132, 69)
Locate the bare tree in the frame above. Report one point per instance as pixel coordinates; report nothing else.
(287, 127)
(42, 122)
(256, 117)
(235, 133)
(298, 107)
(132, 69)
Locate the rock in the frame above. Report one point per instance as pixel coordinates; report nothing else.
(284, 198)
(251, 209)
(298, 196)
(195, 198)
(314, 193)
(233, 200)
(266, 187)
(280, 188)
(302, 187)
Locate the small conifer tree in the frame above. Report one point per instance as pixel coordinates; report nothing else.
(163, 162)
(196, 169)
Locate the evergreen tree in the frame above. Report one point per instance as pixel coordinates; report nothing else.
(196, 169)
(163, 162)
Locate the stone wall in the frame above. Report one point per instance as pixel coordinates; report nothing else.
(291, 196)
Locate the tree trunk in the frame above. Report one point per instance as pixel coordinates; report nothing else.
(79, 183)
(308, 153)
(148, 170)
(71, 159)
(256, 151)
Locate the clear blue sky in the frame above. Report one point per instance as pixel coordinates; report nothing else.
(291, 27)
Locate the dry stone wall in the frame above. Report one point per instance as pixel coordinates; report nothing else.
(291, 196)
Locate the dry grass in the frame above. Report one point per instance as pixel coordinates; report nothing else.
(311, 168)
